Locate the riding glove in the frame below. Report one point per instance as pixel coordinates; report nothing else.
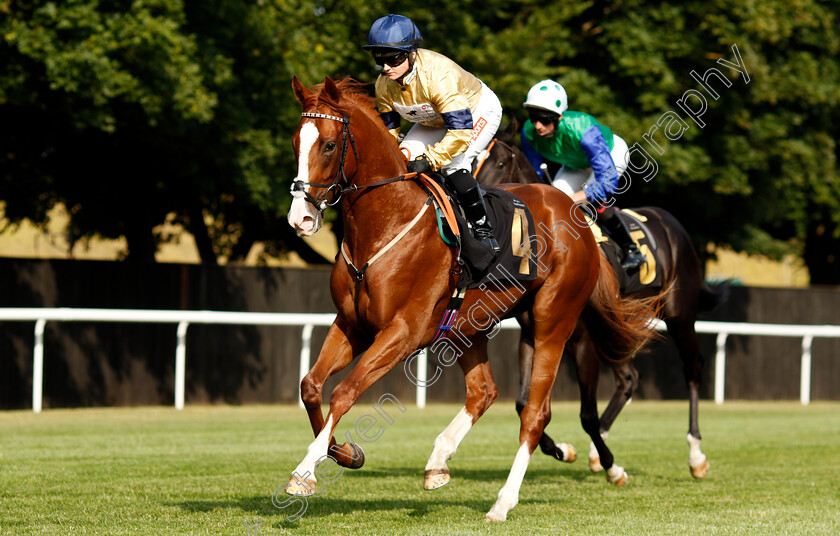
(419, 165)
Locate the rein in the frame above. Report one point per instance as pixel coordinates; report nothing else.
(298, 189)
(514, 168)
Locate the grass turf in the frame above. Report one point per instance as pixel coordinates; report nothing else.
(775, 469)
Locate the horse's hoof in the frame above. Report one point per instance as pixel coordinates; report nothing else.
(301, 487)
(617, 476)
(349, 455)
(436, 478)
(494, 518)
(595, 465)
(565, 452)
(701, 470)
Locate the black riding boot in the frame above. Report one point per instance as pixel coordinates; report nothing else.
(633, 258)
(469, 195)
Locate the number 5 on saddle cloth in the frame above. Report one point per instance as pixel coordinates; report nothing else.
(649, 275)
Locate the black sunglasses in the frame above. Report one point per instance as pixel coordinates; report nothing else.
(541, 116)
(391, 60)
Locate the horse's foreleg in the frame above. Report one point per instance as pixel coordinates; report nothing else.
(588, 369)
(389, 347)
(626, 380)
(682, 331)
(526, 361)
(337, 352)
(481, 392)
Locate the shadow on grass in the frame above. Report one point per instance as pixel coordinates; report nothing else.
(261, 505)
(548, 471)
(423, 503)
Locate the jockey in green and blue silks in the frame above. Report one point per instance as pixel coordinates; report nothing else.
(591, 157)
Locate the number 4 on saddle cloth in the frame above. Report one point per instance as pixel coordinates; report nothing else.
(649, 275)
(512, 224)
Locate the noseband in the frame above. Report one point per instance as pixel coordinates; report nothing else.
(298, 188)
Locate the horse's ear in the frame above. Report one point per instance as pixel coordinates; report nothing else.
(331, 90)
(513, 127)
(301, 92)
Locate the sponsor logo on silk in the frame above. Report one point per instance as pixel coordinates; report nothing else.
(478, 127)
(416, 113)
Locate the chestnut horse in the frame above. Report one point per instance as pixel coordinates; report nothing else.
(688, 295)
(394, 277)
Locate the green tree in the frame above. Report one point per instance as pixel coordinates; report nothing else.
(761, 173)
(127, 111)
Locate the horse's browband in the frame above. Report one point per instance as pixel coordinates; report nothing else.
(314, 115)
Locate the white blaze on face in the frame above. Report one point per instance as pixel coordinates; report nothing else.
(305, 219)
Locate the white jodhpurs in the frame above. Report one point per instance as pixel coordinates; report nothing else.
(573, 180)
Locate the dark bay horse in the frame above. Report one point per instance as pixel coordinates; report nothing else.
(687, 295)
(394, 277)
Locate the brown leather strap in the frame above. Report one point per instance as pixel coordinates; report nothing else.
(442, 201)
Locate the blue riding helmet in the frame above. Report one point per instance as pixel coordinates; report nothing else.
(394, 32)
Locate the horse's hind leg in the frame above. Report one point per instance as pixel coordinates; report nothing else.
(626, 380)
(534, 418)
(588, 369)
(685, 337)
(564, 452)
(551, 331)
(481, 392)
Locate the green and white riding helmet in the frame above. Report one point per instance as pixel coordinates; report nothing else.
(547, 95)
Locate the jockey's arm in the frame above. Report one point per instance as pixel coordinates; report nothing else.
(454, 109)
(532, 155)
(459, 129)
(392, 122)
(598, 152)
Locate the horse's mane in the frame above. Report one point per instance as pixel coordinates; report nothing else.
(353, 91)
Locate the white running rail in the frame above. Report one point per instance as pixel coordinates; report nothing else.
(308, 321)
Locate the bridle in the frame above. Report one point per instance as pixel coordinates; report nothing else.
(298, 189)
(514, 164)
(334, 188)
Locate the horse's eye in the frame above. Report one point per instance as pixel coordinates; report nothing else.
(329, 147)
(500, 164)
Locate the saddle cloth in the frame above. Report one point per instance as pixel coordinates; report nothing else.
(512, 225)
(649, 275)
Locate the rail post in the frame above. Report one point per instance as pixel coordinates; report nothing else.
(720, 366)
(305, 353)
(805, 373)
(38, 366)
(181, 364)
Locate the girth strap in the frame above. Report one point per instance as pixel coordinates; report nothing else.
(442, 201)
(451, 313)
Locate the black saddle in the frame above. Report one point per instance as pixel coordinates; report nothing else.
(512, 222)
(647, 276)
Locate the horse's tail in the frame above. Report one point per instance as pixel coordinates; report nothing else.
(619, 327)
(711, 296)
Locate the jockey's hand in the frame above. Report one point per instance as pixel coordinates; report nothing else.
(419, 165)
